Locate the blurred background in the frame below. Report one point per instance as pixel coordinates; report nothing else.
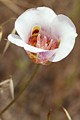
(53, 86)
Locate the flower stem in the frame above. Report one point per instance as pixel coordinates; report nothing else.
(21, 91)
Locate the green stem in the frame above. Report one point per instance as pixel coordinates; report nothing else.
(22, 90)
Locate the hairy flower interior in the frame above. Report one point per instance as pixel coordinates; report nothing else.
(40, 40)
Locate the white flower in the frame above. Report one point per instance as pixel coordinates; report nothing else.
(44, 35)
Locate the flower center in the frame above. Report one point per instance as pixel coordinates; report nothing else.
(40, 40)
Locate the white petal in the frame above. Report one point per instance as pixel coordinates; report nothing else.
(36, 16)
(65, 29)
(15, 39)
(63, 51)
(47, 55)
(46, 15)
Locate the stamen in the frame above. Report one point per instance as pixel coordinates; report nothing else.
(38, 41)
(50, 44)
(45, 46)
(44, 42)
(45, 39)
(55, 44)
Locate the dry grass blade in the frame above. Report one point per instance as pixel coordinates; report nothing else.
(67, 114)
(21, 91)
(12, 88)
(12, 6)
(1, 33)
(6, 47)
(8, 82)
(48, 116)
(8, 43)
(7, 21)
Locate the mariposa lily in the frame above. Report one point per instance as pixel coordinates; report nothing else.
(45, 36)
